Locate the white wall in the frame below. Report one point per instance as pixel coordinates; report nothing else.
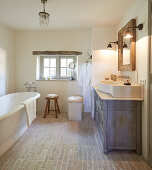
(104, 60)
(25, 70)
(6, 60)
(139, 11)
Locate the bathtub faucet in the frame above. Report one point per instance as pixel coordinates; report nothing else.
(30, 86)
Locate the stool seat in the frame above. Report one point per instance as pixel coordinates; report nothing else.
(52, 96)
(55, 98)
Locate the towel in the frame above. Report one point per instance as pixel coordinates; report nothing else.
(30, 105)
(84, 82)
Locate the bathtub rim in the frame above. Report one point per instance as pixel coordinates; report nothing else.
(20, 106)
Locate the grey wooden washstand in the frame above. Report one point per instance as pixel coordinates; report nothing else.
(118, 121)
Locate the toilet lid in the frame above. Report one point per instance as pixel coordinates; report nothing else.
(75, 99)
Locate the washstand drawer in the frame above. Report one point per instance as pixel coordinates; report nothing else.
(122, 105)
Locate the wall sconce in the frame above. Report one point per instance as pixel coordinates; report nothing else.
(128, 33)
(116, 42)
(110, 46)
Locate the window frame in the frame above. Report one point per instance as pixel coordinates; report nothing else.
(49, 65)
(65, 57)
(58, 66)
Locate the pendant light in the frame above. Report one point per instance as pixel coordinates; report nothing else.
(44, 16)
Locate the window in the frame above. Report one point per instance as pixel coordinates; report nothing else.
(49, 67)
(55, 67)
(65, 71)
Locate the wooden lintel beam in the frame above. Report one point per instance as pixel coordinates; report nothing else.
(56, 53)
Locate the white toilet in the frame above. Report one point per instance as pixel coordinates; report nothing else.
(75, 107)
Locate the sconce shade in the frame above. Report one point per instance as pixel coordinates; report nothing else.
(140, 26)
(109, 46)
(125, 45)
(128, 34)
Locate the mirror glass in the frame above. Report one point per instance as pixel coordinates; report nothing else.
(127, 48)
(72, 65)
(126, 51)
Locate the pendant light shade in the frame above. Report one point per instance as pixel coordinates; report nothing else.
(44, 16)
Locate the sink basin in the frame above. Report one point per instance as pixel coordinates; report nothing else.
(119, 90)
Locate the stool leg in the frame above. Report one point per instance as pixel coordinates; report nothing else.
(45, 112)
(48, 106)
(55, 108)
(58, 106)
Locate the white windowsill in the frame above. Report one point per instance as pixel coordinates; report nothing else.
(55, 80)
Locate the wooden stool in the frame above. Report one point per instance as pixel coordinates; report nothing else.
(56, 105)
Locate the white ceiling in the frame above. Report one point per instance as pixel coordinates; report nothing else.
(23, 14)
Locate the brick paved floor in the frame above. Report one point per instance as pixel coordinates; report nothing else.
(59, 144)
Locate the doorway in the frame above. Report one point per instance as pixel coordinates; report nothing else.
(150, 82)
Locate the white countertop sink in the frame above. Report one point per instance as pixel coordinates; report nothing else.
(118, 89)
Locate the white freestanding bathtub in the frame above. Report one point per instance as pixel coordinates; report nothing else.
(13, 120)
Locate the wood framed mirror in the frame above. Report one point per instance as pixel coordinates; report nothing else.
(127, 52)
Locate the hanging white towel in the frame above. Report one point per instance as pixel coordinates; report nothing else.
(84, 81)
(30, 105)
